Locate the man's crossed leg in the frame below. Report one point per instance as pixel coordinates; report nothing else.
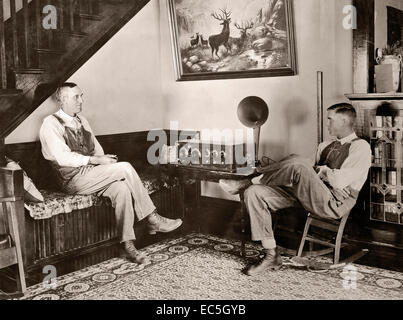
(291, 182)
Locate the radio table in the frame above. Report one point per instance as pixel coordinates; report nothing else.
(186, 172)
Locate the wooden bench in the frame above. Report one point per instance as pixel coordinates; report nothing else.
(74, 240)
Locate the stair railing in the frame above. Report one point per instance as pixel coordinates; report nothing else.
(22, 32)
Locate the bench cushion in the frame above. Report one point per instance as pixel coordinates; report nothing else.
(58, 202)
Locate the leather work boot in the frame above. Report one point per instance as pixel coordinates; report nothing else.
(271, 261)
(133, 255)
(157, 223)
(234, 186)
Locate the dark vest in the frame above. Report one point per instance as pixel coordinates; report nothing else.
(335, 154)
(79, 141)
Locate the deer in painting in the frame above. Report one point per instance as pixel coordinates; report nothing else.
(204, 43)
(222, 38)
(240, 42)
(195, 41)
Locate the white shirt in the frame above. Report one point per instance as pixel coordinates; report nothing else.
(354, 170)
(54, 147)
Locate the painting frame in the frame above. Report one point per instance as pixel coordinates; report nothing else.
(288, 70)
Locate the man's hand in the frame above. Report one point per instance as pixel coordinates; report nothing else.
(105, 159)
(322, 172)
(341, 194)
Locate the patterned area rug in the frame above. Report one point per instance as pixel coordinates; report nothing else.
(206, 267)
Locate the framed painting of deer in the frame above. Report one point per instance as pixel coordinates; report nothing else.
(224, 39)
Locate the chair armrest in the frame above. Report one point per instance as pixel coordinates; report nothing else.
(11, 183)
(12, 192)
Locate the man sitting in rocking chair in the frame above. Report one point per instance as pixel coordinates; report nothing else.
(328, 189)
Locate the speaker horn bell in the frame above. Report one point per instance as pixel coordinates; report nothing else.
(253, 112)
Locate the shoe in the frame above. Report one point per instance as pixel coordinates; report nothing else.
(133, 255)
(271, 261)
(234, 186)
(157, 223)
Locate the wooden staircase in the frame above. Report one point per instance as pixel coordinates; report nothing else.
(34, 60)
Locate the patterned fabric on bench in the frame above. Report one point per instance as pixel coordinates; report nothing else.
(57, 202)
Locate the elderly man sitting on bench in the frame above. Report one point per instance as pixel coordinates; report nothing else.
(328, 189)
(82, 168)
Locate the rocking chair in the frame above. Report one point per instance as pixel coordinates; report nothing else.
(336, 226)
